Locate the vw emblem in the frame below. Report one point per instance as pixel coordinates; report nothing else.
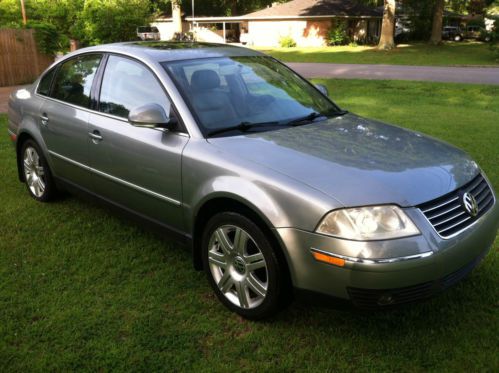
(239, 265)
(470, 205)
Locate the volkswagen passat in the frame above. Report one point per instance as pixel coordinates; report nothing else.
(272, 185)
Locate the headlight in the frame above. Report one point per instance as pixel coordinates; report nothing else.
(368, 223)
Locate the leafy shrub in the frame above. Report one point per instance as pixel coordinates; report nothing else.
(353, 44)
(47, 37)
(287, 42)
(338, 35)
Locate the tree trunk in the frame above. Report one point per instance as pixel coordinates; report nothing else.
(436, 32)
(177, 15)
(233, 8)
(386, 41)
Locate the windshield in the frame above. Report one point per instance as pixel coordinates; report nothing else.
(238, 93)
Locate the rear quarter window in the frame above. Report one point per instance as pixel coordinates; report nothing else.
(46, 83)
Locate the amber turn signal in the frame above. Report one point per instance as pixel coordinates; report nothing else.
(320, 257)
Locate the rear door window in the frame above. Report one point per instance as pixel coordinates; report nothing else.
(74, 79)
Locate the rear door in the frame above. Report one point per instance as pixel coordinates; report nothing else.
(64, 117)
(138, 168)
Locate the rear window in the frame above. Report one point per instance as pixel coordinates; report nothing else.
(147, 29)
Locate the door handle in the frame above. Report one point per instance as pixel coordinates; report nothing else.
(44, 119)
(95, 136)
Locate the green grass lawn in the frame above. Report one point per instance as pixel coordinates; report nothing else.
(448, 54)
(81, 288)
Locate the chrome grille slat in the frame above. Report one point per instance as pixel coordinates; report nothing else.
(443, 213)
(480, 199)
(441, 205)
(447, 220)
(487, 201)
(482, 188)
(447, 214)
(455, 225)
(479, 179)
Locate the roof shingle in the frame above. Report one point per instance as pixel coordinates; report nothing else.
(311, 8)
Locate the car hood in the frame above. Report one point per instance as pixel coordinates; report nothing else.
(358, 161)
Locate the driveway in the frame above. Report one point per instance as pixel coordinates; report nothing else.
(478, 75)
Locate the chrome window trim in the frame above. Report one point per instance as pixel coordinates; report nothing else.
(55, 65)
(117, 180)
(375, 261)
(91, 111)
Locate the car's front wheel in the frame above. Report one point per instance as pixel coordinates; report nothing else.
(37, 173)
(242, 267)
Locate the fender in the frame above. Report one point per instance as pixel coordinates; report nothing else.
(30, 128)
(248, 194)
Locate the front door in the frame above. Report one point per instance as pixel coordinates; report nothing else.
(137, 168)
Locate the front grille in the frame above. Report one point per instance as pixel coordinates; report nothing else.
(448, 215)
(375, 298)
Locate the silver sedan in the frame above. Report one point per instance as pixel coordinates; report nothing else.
(276, 190)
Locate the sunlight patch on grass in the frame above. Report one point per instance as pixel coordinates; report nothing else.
(448, 54)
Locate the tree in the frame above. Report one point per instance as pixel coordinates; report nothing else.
(10, 12)
(386, 42)
(438, 15)
(177, 15)
(107, 21)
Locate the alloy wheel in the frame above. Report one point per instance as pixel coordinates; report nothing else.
(238, 266)
(34, 172)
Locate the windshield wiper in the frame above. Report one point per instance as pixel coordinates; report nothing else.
(306, 119)
(313, 116)
(243, 127)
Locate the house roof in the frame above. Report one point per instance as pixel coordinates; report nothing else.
(316, 8)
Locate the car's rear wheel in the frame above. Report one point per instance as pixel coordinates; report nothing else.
(37, 173)
(242, 267)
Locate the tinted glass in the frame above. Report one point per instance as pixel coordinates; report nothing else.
(74, 79)
(45, 83)
(229, 91)
(147, 29)
(128, 84)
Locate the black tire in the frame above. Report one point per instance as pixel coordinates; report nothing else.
(42, 172)
(277, 288)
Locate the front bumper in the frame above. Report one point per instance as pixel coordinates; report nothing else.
(440, 262)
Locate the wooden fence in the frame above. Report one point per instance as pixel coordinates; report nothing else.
(20, 60)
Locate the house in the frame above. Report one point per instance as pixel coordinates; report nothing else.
(307, 22)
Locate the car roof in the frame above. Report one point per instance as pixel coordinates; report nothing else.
(164, 51)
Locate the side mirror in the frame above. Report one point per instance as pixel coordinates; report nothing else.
(151, 116)
(323, 89)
